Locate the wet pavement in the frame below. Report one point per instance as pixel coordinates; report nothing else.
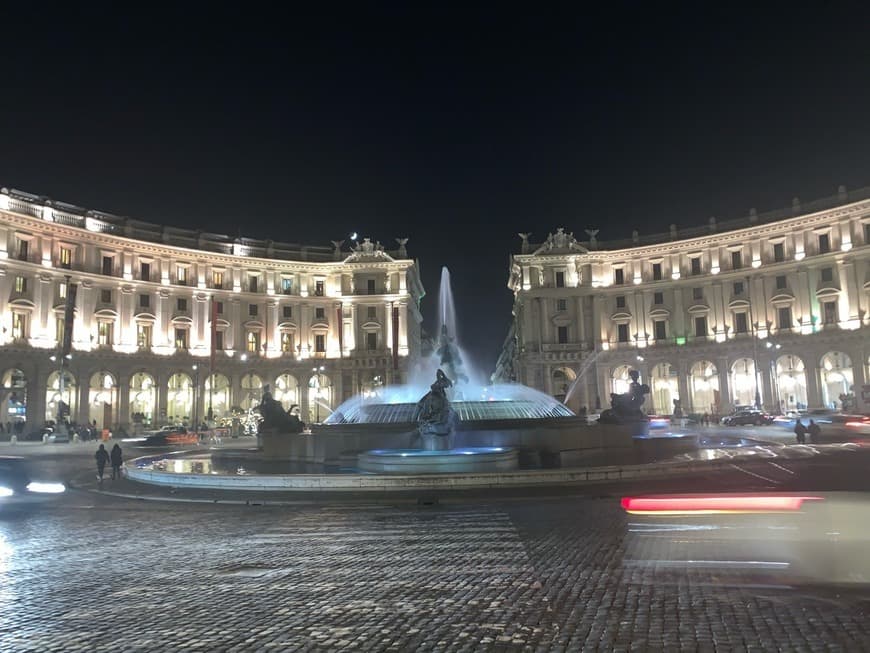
(98, 572)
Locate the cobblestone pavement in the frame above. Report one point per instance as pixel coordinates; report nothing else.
(96, 573)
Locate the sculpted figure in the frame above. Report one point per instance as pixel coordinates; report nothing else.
(275, 418)
(628, 406)
(434, 416)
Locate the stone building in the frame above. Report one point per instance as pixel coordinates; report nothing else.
(771, 309)
(317, 324)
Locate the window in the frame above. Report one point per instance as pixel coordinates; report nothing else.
(143, 336)
(781, 282)
(219, 308)
(701, 327)
(371, 312)
(827, 274)
(696, 266)
(286, 285)
(561, 304)
(23, 249)
(144, 301)
(824, 243)
(660, 329)
(320, 343)
(104, 333)
(108, 264)
(318, 288)
(181, 275)
(286, 342)
(736, 260)
(61, 290)
(778, 252)
(319, 313)
(562, 335)
(145, 271)
(560, 280)
(620, 301)
(741, 323)
(829, 312)
(252, 310)
(218, 340)
(784, 315)
(181, 338)
(658, 298)
(19, 325)
(217, 279)
(697, 293)
(619, 276)
(20, 284)
(288, 311)
(657, 271)
(253, 281)
(371, 340)
(181, 304)
(65, 260)
(253, 342)
(738, 287)
(106, 296)
(622, 332)
(370, 286)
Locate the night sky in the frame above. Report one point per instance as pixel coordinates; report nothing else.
(456, 128)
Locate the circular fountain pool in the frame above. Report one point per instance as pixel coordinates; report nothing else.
(418, 461)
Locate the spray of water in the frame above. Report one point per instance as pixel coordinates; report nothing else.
(569, 396)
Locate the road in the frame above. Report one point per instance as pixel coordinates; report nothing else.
(99, 573)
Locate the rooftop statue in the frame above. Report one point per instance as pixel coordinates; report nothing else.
(434, 416)
(627, 407)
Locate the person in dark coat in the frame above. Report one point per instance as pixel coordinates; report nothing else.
(102, 457)
(117, 459)
(800, 431)
(815, 431)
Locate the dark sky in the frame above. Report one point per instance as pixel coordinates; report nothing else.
(456, 128)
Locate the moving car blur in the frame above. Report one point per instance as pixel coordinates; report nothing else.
(19, 489)
(793, 537)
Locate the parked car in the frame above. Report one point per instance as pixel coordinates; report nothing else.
(17, 487)
(747, 417)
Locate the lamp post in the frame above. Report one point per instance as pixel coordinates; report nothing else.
(195, 397)
(773, 378)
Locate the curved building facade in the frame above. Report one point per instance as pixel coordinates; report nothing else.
(771, 310)
(170, 324)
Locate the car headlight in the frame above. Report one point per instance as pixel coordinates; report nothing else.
(45, 488)
(6, 491)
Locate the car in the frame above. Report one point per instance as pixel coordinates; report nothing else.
(166, 436)
(18, 487)
(746, 417)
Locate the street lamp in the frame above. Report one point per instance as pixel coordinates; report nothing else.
(195, 397)
(773, 378)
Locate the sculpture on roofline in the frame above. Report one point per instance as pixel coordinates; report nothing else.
(403, 253)
(524, 248)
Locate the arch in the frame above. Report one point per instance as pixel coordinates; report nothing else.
(620, 380)
(286, 390)
(744, 383)
(179, 398)
(791, 382)
(216, 396)
(664, 387)
(704, 387)
(13, 397)
(370, 383)
(54, 394)
(561, 379)
(143, 400)
(837, 380)
(102, 399)
(320, 397)
(252, 391)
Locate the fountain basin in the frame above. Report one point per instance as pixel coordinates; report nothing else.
(419, 461)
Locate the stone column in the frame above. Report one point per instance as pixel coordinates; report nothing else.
(812, 373)
(724, 369)
(122, 415)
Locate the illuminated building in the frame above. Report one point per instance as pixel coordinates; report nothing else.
(772, 307)
(317, 324)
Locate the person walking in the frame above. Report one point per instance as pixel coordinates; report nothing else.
(815, 431)
(102, 457)
(117, 459)
(800, 431)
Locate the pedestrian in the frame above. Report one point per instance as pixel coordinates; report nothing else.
(800, 431)
(117, 459)
(815, 431)
(102, 457)
(705, 419)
